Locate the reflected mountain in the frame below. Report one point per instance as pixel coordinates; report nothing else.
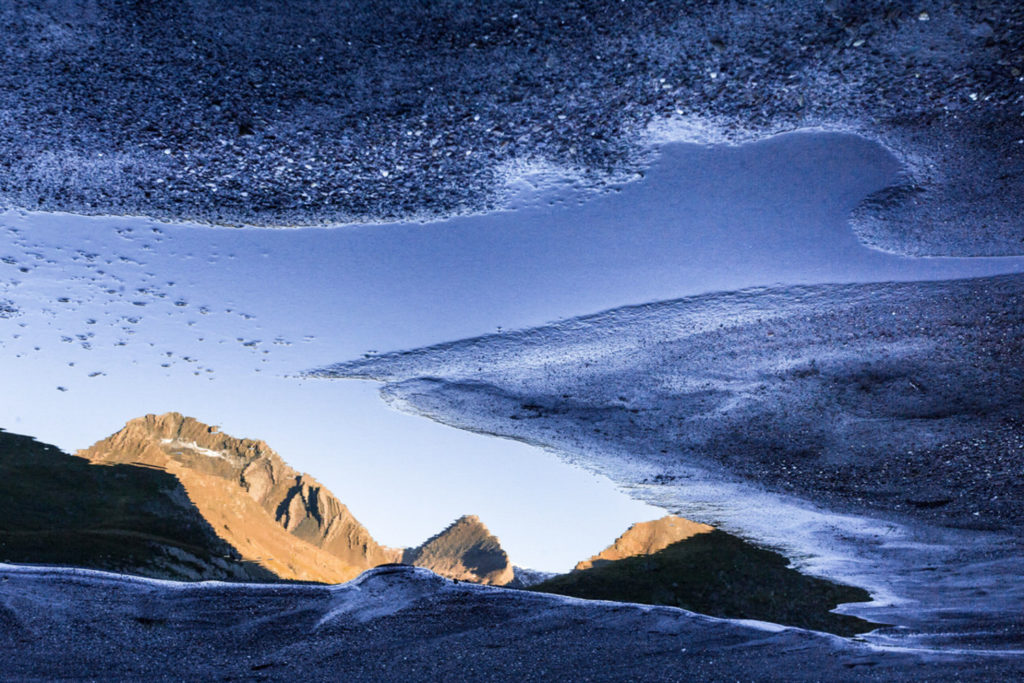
(168, 496)
(714, 573)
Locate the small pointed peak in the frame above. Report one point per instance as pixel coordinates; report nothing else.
(174, 421)
(647, 538)
(151, 421)
(466, 550)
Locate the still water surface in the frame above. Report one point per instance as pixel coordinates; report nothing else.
(123, 316)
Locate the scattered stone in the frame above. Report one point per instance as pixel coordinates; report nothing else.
(203, 122)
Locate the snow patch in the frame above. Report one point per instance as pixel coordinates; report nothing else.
(193, 446)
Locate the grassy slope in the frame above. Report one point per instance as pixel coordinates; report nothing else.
(59, 509)
(720, 575)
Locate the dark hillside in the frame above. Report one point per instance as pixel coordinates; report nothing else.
(59, 509)
(720, 575)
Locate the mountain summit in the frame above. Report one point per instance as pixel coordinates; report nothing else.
(646, 538)
(283, 520)
(467, 551)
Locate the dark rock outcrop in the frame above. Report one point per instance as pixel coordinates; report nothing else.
(714, 573)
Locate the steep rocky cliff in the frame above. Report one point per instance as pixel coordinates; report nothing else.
(273, 515)
(466, 551)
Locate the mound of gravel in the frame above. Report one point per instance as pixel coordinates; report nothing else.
(317, 111)
(401, 623)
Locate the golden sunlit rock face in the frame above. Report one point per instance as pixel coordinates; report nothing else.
(646, 538)
(466, 551)
(283, 520)
(273, 515)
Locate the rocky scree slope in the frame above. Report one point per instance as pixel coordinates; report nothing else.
(319, 111)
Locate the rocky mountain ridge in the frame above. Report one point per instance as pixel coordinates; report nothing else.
(281, 519)
(170, 497)
(56, 509)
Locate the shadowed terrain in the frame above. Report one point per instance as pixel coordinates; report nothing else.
(403, 623)
(720, 575)
(58, 509)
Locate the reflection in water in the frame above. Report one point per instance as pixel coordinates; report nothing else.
(122, 316)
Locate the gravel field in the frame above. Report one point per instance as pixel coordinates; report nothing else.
(401, 623)
(314, 112)
(897, 399)
(870, 432)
